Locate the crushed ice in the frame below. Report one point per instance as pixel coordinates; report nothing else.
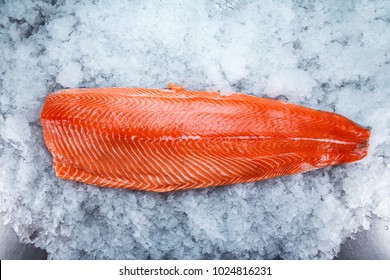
(330, 57)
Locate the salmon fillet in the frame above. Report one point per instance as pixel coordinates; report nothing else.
(174, 139)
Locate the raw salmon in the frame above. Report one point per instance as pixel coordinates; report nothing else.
(173, 139)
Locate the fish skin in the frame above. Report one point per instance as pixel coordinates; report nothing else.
(173, 139)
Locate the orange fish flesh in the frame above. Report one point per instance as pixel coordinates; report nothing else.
(174, 139)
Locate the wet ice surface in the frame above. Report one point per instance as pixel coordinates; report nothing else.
(331, 56)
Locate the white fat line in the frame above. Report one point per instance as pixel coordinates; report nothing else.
(183, 137)
(325, 140)
(197, 137)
